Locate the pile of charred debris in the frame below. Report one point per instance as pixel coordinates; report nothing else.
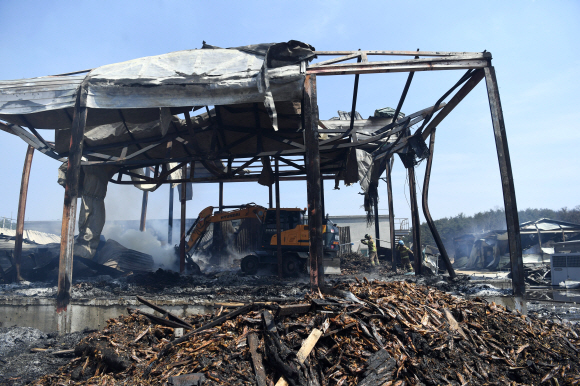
(358, 333)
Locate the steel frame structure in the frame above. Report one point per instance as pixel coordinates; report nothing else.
(476, 66)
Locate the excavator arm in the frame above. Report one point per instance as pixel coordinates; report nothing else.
(207, 217)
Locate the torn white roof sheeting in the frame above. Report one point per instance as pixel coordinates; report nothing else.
(546, 224)
(198, 77)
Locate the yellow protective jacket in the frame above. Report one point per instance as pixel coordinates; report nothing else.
(404, 250)
(371, 244)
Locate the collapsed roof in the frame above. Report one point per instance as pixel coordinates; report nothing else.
(139, 116)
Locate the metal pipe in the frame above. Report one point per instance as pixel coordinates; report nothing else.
(507, 182)
(170, 224)
(313, 178)
(22, 210)
(278, 230)
(270, 200)
(221, 197)
(391, 213)
(144, 204)
(427, 213)
(182, 225)
(416, 222)
(354, 98)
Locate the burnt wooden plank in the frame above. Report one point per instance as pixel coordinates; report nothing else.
(293, 309)
(257, 359)
(163, 311)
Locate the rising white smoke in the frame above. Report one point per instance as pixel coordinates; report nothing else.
(146, 242)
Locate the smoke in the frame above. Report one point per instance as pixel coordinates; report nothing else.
(146, 242)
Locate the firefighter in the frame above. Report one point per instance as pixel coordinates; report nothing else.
(368, 240)
(404, 253)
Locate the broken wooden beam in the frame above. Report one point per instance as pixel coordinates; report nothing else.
(257, 359)
(169, 314)
(304, 351)
(293, 309)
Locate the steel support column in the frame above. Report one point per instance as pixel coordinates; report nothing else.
(313, 180)
(221, 197)
(144, 204)
(375, 199)
(22, 210)
(182, 224)
(71, 193)
(278, 230)
(391, 214)
(507, 182)
(426, 212)
(170, 223)
(416, 222)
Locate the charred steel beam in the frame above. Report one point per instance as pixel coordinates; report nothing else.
(291, 163)
(476, 77)
(416, 222)
(245, 165)
(182, 223)
(313, 180)
(427, 64)
(353, 109)
(322, 200)
(131, 134)
(375, 198)
(462, 80)
(278, 230)
(144, 204)
(403, 53)
(391, 213)
(71, 193)
(170, 222)
(427, 213)
(507, 182)
(270, 200)
(403, 96)
(221, 197)
(22, 210)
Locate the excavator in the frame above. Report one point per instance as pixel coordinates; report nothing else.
(294, 238)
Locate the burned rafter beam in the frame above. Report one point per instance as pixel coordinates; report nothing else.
(36, 134)
(244, 165)
(33, 141)
(400, 53)
(476, 77)
(155, 180)
(131, 134)
(471, 79)
(212, 169)
(284, 176)
(291, 163)
(427, 64)
(385, 131)
(462, 80)
(283, 140)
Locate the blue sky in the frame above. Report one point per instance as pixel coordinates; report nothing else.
(534, 46)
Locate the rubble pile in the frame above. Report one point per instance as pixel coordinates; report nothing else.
(352, 263)
(360, 333)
